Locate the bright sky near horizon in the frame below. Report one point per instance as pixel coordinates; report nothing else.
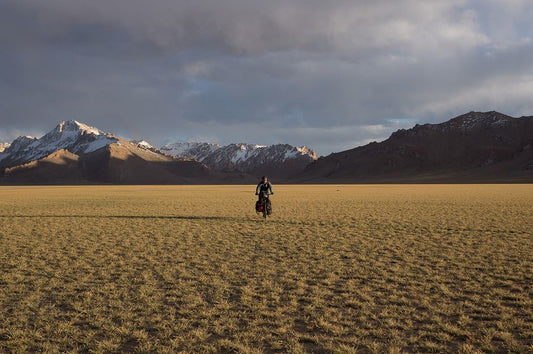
(328, 74)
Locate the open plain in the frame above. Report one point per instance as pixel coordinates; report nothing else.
(337, 268)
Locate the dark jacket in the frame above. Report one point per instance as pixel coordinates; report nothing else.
(263, 188)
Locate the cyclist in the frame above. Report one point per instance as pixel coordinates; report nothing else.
(263, 189)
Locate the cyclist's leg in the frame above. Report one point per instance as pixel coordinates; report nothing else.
(269, 206)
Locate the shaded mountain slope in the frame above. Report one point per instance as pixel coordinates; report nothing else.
(474, 147)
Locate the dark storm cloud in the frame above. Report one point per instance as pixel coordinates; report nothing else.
(326, 74)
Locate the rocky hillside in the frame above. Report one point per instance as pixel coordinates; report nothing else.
(474, 147)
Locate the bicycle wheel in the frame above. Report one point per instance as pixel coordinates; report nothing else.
(265, 213)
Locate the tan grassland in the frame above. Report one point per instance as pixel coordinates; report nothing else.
(338, 268)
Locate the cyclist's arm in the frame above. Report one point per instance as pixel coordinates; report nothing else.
(270, 187)
(257, 189)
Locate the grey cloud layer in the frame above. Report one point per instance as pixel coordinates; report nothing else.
(221, 69)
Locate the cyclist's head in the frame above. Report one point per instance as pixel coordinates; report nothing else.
(264, 179)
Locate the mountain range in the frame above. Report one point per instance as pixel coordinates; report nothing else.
(477, 147)
(74, 152)
(280, 160)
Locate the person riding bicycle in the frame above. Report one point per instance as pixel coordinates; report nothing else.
(264, 188)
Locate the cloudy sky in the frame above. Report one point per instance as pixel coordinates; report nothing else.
(329, 74)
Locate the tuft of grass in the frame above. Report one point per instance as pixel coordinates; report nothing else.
(345, 268)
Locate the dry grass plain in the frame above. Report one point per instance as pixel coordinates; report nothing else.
(345, 268)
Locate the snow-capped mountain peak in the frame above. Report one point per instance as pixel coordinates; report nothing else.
(74, 125)
(242, 157)
(80, 139)
(193, 150)
(305, 150)
(20, 144)
(70, 135)
(142, 144)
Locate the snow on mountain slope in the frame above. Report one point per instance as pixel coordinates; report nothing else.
(242, 157)
(195, 151)
(72, 135)
(3, 146)
(82, 140)
(143, 144)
